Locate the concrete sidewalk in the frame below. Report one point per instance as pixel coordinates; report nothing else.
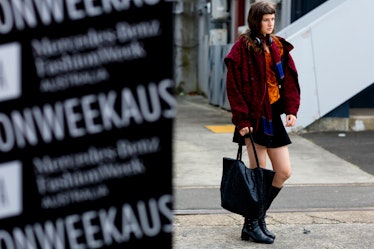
(327, 203)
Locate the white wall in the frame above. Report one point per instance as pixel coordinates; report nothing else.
(334, 55)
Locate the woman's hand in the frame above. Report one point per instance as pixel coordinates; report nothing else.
(290, 120)
(245, 131)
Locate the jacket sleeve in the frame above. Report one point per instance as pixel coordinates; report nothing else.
(234, 91)
(291, 88)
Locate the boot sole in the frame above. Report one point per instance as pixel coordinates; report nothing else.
(247, 237)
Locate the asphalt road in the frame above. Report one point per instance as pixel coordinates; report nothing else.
(354, 147)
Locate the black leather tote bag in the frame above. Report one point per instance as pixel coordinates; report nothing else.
(243, 190)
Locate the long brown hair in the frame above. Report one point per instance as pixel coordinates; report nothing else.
(254, 20)
(255, 14)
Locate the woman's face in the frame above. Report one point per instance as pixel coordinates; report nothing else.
(267, 24)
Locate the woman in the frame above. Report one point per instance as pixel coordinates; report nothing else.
(262, 84)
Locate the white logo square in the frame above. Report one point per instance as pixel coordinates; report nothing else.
(10, 71)
(10, 189)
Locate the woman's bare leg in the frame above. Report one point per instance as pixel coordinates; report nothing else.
(280, 160)
(261, 154)
(279, 157)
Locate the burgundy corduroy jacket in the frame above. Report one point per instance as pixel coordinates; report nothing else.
(246, 86)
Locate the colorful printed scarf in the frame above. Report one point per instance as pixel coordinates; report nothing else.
(277, 60)
(266, 118)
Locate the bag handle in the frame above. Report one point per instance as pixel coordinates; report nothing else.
(240, 152)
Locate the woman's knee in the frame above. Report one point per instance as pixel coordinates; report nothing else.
(284, 174)
(281, 177)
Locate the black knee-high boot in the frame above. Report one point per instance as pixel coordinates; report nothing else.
(273, 193)
(252, 231)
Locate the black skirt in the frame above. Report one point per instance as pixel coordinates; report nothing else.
(278, 139)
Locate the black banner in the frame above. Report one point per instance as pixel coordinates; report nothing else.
(86, 116)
